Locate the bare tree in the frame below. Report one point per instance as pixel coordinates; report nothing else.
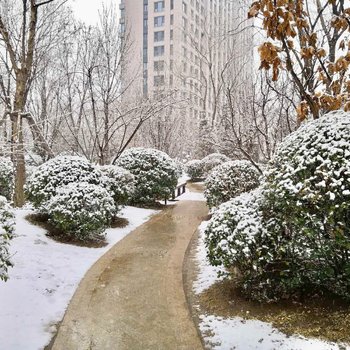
(26, 31)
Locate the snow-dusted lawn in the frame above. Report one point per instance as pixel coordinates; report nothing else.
(237, 333)
(44, 279)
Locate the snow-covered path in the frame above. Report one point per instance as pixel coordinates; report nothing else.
(44, 279)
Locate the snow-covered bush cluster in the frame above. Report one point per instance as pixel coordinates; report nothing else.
(194, 169)
(7, 223)
(81, 209)
(57, 172)
(199, 169)
(155, 174)
(120, 183)
(6, 177)
(292, 236)
(230, 179)
(74, 194)
(213, 160)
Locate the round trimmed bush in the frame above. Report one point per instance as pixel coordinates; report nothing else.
(292, 239)
(307, 190)
(57, 172)
(213, 160)
(194, 169)
(230, 234)
(7, 224)
(229, 180)
(240, 238)
(155, 174)
(6, 178)
(120, 183)
(81, 209)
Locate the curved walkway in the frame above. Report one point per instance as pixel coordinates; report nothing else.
(133, 297)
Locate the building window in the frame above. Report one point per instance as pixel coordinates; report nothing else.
(171, 34)
(171, 19)
(158, 50)
(159, 36)
(159, 6)
(159, 21)
(158, 66)
(171, 4)
(171, 49)
(184, 7)
(159, 80)
(171, 80)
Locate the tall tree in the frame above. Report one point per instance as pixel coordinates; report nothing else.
(22, 31)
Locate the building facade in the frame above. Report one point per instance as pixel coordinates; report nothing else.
(190, 46)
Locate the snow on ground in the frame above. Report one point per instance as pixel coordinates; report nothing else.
(191, 196)
(237, 333)
(207, 274)
(44, 279)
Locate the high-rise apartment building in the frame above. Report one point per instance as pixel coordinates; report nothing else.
(186, 45)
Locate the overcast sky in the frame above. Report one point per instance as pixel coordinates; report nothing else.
(87, 10)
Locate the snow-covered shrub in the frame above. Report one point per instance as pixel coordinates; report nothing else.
(230, 234)
(155, 173)
(6, 234)
(307, 189)
(81, 209)
(213, 160)
(120, 183)
(59, 171)
(180, 167)
(6, 177)
(194, 169)
(241, 238)
(293, 238)
(229, 180)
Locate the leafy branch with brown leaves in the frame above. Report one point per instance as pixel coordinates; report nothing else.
(310, 39)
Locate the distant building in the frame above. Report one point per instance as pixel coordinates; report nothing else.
(190, 46)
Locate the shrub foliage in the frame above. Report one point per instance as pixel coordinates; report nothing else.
(230, 179)
(57, 172)
(6, 234)
(81, 209)
(119, 182)
(292, 236)
(6, 178)
(213, 160)
(155, 174)
(194, 169)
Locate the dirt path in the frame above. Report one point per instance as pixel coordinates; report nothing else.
(133, 297)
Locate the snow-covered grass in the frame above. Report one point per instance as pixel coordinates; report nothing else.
(44, 279)
(237, 333)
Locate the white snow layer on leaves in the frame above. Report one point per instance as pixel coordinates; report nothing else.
(239, 334)
(44, 279)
